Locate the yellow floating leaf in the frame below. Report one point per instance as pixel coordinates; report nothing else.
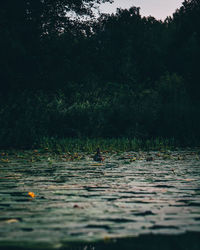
(12, 221)
(189, 179)
(31, 194)
(4, 160)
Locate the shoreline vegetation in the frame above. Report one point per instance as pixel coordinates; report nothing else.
(117, 76)
(121, 120)
(109, 145)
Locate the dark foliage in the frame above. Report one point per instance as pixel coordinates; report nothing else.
(122, 75)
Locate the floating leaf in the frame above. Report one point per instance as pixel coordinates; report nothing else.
(189, 179)
(133, 159)
(4, 160)
(12, 221)
(31, 194)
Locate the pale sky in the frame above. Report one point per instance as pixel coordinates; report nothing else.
(159, 9)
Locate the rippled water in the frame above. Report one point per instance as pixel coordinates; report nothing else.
(83, 200)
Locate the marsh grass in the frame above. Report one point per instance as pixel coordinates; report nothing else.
(115, 144)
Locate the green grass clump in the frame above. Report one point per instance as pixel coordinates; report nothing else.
(110, 144)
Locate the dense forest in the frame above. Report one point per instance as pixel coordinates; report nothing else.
(65, 73)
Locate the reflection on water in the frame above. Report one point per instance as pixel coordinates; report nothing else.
(82, 200)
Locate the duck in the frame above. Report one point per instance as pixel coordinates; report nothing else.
(98, 156)
(149, 158)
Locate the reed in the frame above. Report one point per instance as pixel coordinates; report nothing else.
(106, 144)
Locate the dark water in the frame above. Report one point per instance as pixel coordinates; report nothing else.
(125, 196)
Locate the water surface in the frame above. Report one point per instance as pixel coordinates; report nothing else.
(80, 200)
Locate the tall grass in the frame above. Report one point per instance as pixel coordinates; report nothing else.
(115, 144)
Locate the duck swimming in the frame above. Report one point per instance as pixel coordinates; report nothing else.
(150, 158)
(98, 156)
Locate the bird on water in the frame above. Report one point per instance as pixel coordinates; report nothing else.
(98, 156)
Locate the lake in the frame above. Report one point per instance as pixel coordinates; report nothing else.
(78, 201)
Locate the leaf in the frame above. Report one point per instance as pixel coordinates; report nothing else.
(31, 194)
(12, 221)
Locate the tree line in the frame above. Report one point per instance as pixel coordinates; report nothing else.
(119, 75)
